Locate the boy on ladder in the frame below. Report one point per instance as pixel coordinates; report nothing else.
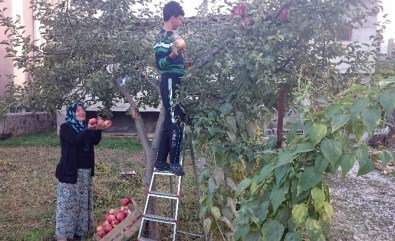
(170, 62)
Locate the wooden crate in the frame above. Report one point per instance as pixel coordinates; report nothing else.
(127, 227)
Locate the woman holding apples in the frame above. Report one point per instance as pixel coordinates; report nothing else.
(74, 217)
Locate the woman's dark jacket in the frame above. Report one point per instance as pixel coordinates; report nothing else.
(76, 152)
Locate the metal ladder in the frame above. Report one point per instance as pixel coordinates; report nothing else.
(174, 198)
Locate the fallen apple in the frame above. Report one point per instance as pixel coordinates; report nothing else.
(179, 43)
(125, 201)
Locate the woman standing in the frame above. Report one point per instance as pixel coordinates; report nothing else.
(74, 216)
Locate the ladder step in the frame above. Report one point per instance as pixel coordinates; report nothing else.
(164, 195)
(156, 218)
(166, 173)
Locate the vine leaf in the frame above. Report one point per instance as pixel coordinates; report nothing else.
(371, 119)
(332, 150)
(299, 213)
(316, 132)
(309, 179)
(272, 230)
(339, 121)
(318, 198)
(347, 162)
(387, 100)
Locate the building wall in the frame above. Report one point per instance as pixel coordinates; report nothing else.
(17, 9)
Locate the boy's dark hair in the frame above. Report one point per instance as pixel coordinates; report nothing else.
(172, 8)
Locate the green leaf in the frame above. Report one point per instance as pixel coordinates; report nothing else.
(309, 178)
(299, 213)
(242, 232)
(347, 162)
(371, 119)
(316, 132)
(318, 198)
(226, 108)
(262, 211)
(314, 229)
(328, 210)
(281, 172)
(277, 196)
(245, 183)
(285, 157)
(231, 121)
(207, 225)
(291, 236)
(304, 147)
(333, 111)
(272, 231)
(358, 107)
(332, 150)
(265, 172)
(216, 212)
(358, 128)
(387, 100)
(320, 163)
(365, 164)
(254, 236)
(339, 121)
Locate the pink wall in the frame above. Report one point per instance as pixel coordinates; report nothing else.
(6, 65)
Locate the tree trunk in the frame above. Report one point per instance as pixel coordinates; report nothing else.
(150, 150)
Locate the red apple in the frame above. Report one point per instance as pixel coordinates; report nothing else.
(121, 216)
(107, 123)
(112, 211)
(107, 228)
(283, 16)
(247, 21)
(240, 10)
(115, 222)
(179, 43)
(110, 217)
(125, 210)
(93, 121)
(125, 201)
(101, 233)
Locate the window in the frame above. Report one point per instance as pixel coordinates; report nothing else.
(344, 35)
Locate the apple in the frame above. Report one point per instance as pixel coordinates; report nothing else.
(107, 123)
(125, 210)
(107, 228)
(283, 16)
(101, 233)
(121, 216)
(93, 121)
(115, 222)
(98, 228)
(247, 21)
(179, 43)
(240, 10)
(110, 217)
(125, 201)
(112, 211)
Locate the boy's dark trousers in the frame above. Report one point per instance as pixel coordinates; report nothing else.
(172, 131)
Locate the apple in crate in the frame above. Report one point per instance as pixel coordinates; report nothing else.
(121, 216)
(101, 233)
(108, 228)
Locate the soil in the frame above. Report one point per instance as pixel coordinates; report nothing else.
(364, 206)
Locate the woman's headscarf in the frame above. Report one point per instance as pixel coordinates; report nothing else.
(70, 117)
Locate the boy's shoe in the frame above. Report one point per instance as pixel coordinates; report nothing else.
(162, 168)
(177, 169)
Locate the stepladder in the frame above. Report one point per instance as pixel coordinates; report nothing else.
(167, 203)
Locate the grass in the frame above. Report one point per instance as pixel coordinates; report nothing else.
(50, 139)
(28, 190)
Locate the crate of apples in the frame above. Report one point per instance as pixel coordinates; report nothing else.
(119, 223)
